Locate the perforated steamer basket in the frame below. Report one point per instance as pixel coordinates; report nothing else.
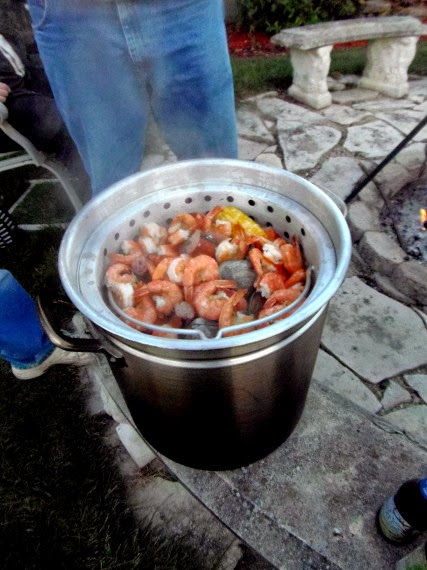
(255, 382)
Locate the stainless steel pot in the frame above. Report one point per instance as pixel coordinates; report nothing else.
(224, 402)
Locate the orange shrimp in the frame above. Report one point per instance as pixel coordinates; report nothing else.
(165, 295)
(232, 248)
(173, 323)
(209, 297)
(260, 263)
(176, 268)
(198, 269)
(120, 279)
(181, 227)
(131, 250)
(295, 278)
(145, 311)
(278, 300)
(161, 269)
(154, 231)
(230, 315)
(292, 256)
(221, 227)
(269, 282)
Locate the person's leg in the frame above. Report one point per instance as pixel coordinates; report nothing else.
(98, 93)
(23, 342)
(183, 45)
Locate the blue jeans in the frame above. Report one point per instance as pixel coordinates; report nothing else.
(23, 342)
(110, 63)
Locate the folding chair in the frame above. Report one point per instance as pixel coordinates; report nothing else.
(32, 156)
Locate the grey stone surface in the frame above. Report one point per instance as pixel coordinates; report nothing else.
(333, 375)
(394, 395)
(411, 420)
(411, 277)
(373, 335)
(381, 251)
(372, 140)
(345, 115)
(252, 127)
(353, 96)
(249, 150)
(339, 174)
(304, 146)
(419, 383)
(312, 503)
(361, 219)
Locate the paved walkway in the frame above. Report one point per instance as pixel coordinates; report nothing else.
(367, 406)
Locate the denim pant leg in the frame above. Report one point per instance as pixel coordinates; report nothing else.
(105, 60)
(99, 94)
(23, 342)
(183, 46)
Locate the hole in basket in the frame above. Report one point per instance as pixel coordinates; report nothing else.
(166, 206)
(288, 219)
(208, 198)
(251, 202)
(105, 252)
(146, 213)
(302, 231)
(188, 200)
(132, 223)
(116, 236)
(270, 209)
(286, 234)
(230, 199)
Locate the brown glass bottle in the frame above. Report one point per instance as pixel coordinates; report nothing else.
(404, 515)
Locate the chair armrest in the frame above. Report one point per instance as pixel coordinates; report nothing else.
(4, 113)
(37, 156)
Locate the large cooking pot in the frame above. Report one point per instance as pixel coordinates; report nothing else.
(223, 402)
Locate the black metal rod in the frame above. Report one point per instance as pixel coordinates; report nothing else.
(362, 183)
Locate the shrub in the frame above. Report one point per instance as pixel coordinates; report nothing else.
(271, 16)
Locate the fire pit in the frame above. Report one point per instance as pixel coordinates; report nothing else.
(406, 213)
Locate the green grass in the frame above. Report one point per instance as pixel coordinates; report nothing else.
(260, 74)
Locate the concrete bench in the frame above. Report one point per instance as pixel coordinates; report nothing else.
(391, 48)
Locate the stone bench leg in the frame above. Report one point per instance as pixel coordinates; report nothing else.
(386, 70)
(310, 72)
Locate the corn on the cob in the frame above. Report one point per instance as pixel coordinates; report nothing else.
(238, 218)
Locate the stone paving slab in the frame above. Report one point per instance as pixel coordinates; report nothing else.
(313, 502)
(373, 335)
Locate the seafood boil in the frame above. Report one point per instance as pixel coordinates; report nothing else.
(206, 270)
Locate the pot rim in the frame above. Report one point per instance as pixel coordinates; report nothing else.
(185, 168)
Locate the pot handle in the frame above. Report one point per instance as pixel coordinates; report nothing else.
(57, 337)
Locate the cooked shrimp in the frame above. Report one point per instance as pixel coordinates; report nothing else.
(130, 249)
(292, 256)
(278, 300)
(180, 228)
(119, 273)
(165, 295)
(269, 282)
(230, 315)
(161, 269)
(232, 248)
(259, 262)
(154, 231)
(198, 269)
(145, 311)
(121, 281)
(176, 268)
(173, 323)
(295, 278)
(209, 297)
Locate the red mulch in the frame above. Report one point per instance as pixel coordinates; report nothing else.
(244, 44)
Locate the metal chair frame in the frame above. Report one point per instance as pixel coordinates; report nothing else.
(30, 155)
